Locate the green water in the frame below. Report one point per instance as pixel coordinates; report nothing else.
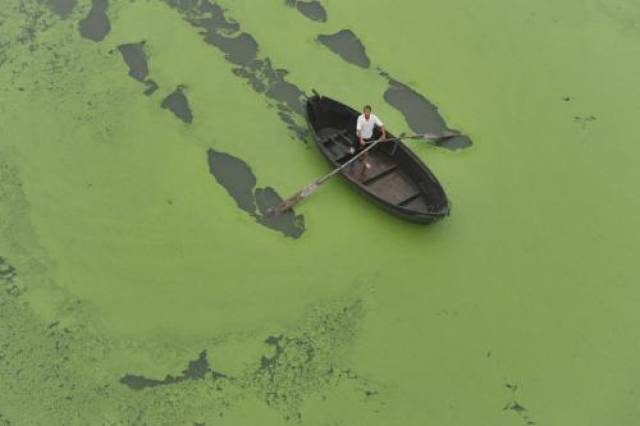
(122, 255)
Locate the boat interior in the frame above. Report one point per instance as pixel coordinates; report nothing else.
(392, 176)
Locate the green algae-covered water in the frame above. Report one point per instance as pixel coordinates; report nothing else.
(142, 284)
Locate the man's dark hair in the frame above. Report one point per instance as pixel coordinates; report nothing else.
(367, 107)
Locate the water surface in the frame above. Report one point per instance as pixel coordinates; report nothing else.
(142, 283)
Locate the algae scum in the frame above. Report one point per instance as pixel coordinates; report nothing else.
(143, 282)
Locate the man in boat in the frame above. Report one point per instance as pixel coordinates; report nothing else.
(368, 128)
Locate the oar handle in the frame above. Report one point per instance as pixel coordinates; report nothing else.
(354, 158)
(432, 136)
(369, 148)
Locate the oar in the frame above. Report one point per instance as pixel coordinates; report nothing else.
(306, 192)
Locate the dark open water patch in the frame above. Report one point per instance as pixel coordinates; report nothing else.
(178, 104)
(518, 408)
(287, 222)
(348, 46)
(237, 178)
(62, 8)
(241, 49)
(311, 9)
(7, 272)
(263, 78)
(196, 370)
(152, 86)
(135, 57)
(96, 26)
(421, 115)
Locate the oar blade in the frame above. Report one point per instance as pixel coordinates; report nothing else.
(447, 134)
(294, 200)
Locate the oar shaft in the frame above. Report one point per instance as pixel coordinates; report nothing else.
(311, 188)
(354, 158)
(370, 147)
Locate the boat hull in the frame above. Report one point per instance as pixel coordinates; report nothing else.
(398, 181)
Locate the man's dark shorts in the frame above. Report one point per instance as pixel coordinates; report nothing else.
(376, 135)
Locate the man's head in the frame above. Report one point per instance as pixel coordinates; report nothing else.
(367, 111)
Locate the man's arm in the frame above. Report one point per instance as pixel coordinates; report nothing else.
(359, 132)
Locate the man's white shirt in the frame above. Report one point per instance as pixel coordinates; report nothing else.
(365, 127)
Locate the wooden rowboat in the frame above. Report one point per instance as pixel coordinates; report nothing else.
(397, 180)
